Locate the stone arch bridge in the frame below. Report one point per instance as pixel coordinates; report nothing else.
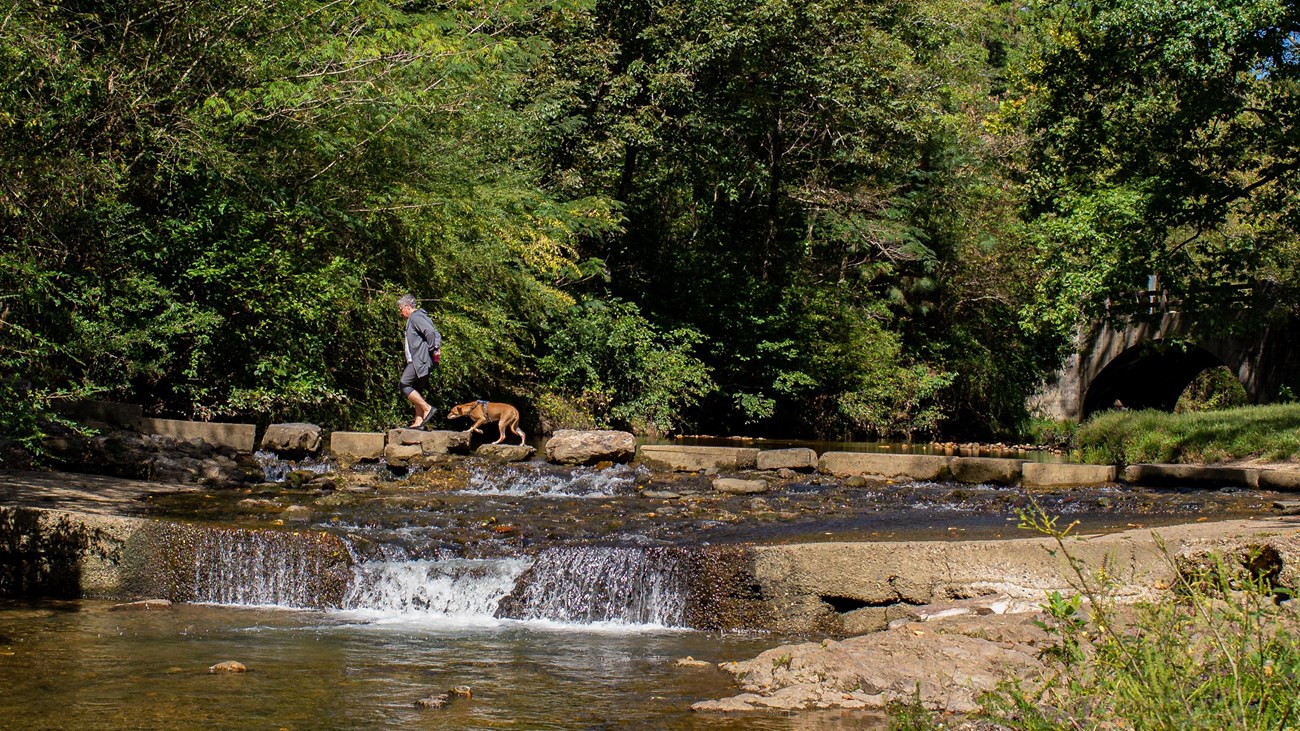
(1148, 360)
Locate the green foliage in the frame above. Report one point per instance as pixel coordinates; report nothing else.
(1200, 657)
(611, 366)
(210, 207)
(1131, 437)
(1214, 389)
(1058, 433)
(809, 186)
(1162, 144)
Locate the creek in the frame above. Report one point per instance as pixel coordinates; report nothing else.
(561, 596)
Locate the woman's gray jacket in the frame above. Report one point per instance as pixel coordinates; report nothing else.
(422, 339)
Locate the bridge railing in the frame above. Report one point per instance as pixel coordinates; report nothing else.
(1154, 303)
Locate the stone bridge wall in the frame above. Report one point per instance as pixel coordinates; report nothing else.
(1127, 364)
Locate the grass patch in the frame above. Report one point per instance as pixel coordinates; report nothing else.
(1132, 437)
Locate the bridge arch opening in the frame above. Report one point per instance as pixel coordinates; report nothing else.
(1147, 376)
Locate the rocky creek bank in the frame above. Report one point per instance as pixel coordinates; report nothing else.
(947, 655)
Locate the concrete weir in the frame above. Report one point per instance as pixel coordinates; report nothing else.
(70, 554)
(835, 588)
(697, 459)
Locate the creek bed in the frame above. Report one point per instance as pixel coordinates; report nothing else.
(503, 511)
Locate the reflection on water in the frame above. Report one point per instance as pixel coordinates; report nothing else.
(947, 449)
(79, 666)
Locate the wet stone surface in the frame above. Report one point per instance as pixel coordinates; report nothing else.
(475, 508)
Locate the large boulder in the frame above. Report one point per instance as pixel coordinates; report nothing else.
(943, 670)
(574, 446)
(293, 440)
(506, 452)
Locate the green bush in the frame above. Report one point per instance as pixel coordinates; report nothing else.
(1051, 432)
(1212, 390)
(1216, 652)
(607, 365)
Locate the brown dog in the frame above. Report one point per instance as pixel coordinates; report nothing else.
(505, 415)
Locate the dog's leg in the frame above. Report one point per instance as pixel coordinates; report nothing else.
(509, 422)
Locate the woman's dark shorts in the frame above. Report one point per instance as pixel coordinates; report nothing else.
(411, 382)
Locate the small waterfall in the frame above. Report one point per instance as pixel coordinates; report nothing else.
(245, 567)
(316, 570)
(541, 481)
(602, 584)
(462, 588)
(276, 468)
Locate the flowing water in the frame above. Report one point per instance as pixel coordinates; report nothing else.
(559, 596)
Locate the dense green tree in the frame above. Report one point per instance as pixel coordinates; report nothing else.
(1164, 143)
(208, 207)
(809, 185)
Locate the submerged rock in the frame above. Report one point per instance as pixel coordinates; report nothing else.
(142, 605)
(506, 452)
(437, 700)
(229, 666)
(737, 486)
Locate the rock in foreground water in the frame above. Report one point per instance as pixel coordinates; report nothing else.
(229, 666)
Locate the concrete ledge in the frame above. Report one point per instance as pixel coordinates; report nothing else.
(696, 459)
(1186, 475)
(237, 436)
(355, 446)
(884, 466)
(797, 579)
(1041, 474)
(985, 470)
(798, 458)
(1280, 480)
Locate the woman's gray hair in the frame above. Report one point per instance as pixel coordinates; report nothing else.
(407, 299)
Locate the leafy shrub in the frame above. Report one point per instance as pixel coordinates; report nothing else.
(1212, 390)
(1051, 432)
(1216, 652)
(1130, 437)
(610, 366)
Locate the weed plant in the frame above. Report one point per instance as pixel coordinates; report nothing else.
(1216, 652)
(1131, 437)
